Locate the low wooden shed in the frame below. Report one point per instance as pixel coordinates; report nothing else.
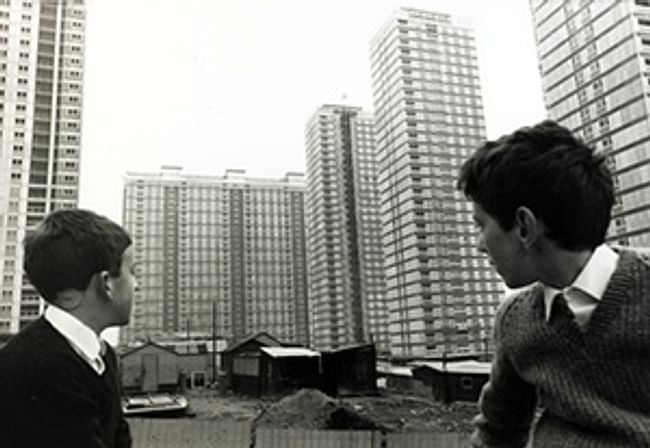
(400, 379)
(240, 361)
(350, 370)
(149, 368)
(152, 367)
(453, 380)
(284, 370)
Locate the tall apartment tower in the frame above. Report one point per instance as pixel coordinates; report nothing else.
(344, 234)
(441, 292)
(229, 244)
(594, 59)
(41, 72)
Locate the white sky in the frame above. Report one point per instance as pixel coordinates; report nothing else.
(217, 84)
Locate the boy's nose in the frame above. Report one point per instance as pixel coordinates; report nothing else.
(480, 244)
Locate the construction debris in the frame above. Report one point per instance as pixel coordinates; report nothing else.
(312, 409)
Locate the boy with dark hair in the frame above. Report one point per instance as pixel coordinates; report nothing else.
(59, 384)
(576, 341)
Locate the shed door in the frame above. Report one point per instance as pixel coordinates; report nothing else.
(150, 370)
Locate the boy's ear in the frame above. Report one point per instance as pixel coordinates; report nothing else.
(69, 299)
(104, 286)
(528, 227)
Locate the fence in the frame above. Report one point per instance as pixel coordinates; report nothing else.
(189, 433)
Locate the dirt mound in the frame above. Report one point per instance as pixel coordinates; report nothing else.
(312, 409)
(406, 413)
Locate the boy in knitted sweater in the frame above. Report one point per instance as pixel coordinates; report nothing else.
(575, 342)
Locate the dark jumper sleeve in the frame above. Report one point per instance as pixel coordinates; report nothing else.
(507, 402)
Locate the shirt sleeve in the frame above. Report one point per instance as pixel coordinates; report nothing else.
(507, 402)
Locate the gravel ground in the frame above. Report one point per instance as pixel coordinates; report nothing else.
(208, 405)
(409, 413)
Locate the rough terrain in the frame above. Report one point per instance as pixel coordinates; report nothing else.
(310, 409)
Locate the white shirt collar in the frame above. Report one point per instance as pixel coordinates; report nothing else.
(81, 337)
(592, 279)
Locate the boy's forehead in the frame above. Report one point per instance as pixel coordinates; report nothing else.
(128, 253)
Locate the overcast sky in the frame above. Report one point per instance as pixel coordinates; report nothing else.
(216, 84)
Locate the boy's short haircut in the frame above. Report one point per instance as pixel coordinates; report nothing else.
(550, 171)
(70, 246)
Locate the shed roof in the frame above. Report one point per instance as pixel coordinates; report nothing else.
(289, 352)
(398, 371)
(130, 351)
(470, 366)
(351, 347)
(263, 337)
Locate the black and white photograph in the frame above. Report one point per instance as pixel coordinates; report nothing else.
(324, 223)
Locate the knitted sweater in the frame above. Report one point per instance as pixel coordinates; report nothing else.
(593, 387)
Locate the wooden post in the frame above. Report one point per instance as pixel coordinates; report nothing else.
(214, 342)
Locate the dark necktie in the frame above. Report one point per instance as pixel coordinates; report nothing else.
(110, 372)
(560, 310)
(562, 318)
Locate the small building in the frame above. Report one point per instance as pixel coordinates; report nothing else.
(186, 349)
(350, 370)
(453, 380)
(153, 367)
(284, 370)
(240, 362)
(400, 379)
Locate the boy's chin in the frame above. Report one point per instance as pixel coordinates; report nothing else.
(121, 321)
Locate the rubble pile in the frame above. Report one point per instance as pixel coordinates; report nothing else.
(410, 413)
(312, 409)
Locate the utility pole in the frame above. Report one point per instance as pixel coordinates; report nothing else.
(446, 394)
(214, 342)
(486, 352)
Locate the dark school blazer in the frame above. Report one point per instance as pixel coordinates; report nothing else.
(50, 397)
